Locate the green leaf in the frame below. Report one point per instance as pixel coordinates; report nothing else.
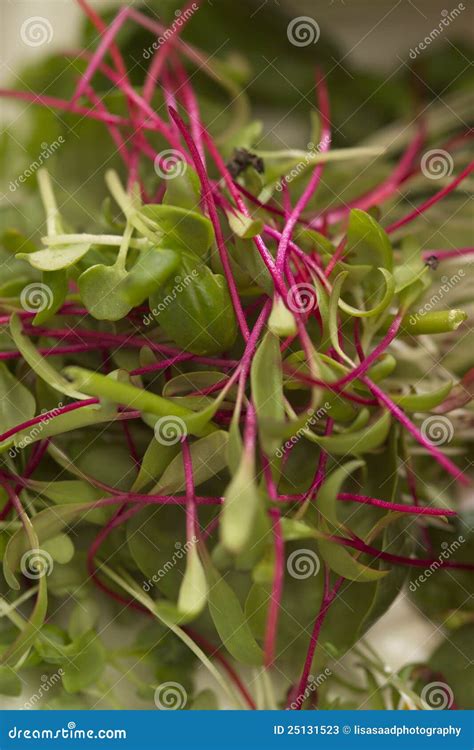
(355, 443)
(193, 590)
(57, 283)
(192, 381)
(103, 386)
(244, 227)
(196, 311)
(29, 633)
(56, 258)
(267, 389)
(281, 321)
(83, 669)
(179, 228)
(83, 618)
(336, 556)
(454, 660)
(17, 404)
(101, 292)
(38, 363)
(60, 547)
(184, 190)
(151, 270)
(205, 700)
(423, 401)
(230, 621)
(46, 524)
(367, 241)
(156, 459)
(58, 423)
(382, 305)
(10, 683)
(208, 456)
(241, 502)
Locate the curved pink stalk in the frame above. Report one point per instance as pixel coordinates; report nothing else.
(445, 254)
(328, 597)
(54, 102)
(314, 180)
(258, 242)
(108, 39)
(443, 460)
(211, 207)
(277, 590)
(431, 201)
(380, 193)
(416, 510)
(192, 527)
(159, 56)
(411, 562)
(362, 368)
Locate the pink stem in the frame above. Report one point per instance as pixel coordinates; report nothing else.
(211, 207)
(445, 462)
(431, 201)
